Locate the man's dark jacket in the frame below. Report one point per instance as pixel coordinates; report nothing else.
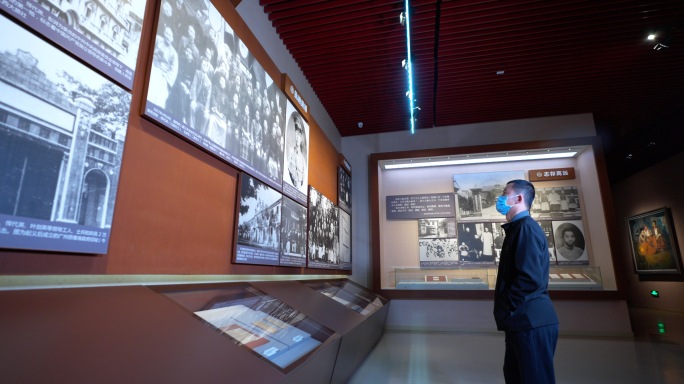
(521, 300)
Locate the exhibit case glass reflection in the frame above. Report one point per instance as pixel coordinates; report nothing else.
(268, 327)
(350, 294)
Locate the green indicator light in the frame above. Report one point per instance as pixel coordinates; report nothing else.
(655, 293)
(661, 328)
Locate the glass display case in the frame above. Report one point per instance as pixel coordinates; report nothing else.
(575, 278)
(267, 326)
(436, 279)
(350, 294)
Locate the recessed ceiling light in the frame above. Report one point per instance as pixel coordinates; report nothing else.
(652, 36)
(500, 72)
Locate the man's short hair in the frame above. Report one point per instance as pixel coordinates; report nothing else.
(525, 188)
(567, 229)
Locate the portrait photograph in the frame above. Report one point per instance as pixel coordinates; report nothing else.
(476, 193)
(62, 134)
(103, 34)
(438, 253)
(258, 230)
(324, 232)
(296, 161)
(570, 243)
(653, 242)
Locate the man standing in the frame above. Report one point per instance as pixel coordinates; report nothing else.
(522, 307)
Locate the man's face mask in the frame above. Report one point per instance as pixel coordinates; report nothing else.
(501, 205)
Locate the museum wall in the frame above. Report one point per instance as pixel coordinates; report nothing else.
(175, 208)
(656, 187)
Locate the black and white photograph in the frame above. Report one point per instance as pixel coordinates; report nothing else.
(296, 161)
(258, 230)
(207, 87)
(476, 193)
(476, 243)
(344, 190)
(105, 34)
(293, 234)
(556, 202)
(324, 241)
(438, 253)
(436, 228)
(345, 241)
(547, 227)
(570, 243)
(62, 134)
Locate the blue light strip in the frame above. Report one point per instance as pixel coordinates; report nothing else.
(408, 64)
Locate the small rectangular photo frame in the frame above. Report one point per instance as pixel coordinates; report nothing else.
(654, 243)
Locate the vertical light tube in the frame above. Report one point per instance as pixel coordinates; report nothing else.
(408, 63)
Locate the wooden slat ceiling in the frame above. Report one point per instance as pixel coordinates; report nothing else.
(557, 58)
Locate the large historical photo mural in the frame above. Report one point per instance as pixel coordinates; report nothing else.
(207, 87)
(476, 193)
(62, 134)
(103, 33)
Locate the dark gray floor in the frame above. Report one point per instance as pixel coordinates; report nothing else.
(654, 356)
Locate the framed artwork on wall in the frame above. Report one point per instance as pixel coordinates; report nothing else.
(654, 244)
(62, 134)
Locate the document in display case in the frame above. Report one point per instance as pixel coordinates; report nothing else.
(438, 279)
(351, 295)
(267, 326)
(575, 278)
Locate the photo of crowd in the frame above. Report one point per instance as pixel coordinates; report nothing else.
(206, 85)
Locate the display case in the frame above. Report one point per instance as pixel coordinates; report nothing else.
(267, 326)
(441, 279)
(575, 278)
(350, 295)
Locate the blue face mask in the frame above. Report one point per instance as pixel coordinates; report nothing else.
(501, 205)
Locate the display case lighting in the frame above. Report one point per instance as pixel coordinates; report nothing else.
(480, 159)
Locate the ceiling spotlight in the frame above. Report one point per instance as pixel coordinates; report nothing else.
(402, 18)
(660, 46)
(360, 124)
(629, 157)
(651, 144)
(652, 36)
(403, 63)
(500, 72)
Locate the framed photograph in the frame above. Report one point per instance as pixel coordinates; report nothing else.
(293, 234)
(438, 253)
(436, 228)
(258, 229)
(205, 86)
(324, 239)
(103, 35)
(570, 242)
(654, 243)
(477, 243)
(296, 161)
(556, 203)
(476, 193)
(345, 241)
(62, 134)
(547, 227)
(344, 190)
